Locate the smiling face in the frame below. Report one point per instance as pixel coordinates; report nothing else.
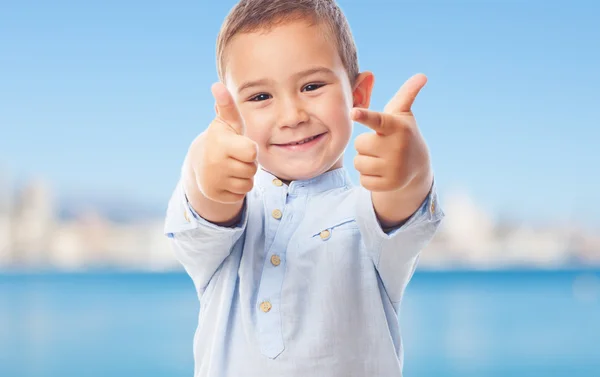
(295, 97)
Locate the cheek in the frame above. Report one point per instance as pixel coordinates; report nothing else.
(336, 105)
(335, 112)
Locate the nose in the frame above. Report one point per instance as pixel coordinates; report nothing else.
(292, 112)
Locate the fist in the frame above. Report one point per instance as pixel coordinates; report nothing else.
(390, 158)
(222, 159)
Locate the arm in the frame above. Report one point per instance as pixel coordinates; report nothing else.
(395, 252)
(397, 210)
(393, 208)
(199, 245)
(207, 212)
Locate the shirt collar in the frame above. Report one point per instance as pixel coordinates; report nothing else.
(336, 178)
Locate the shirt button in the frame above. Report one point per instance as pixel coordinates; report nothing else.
(277, 182)
(275, 260)
(325, 234)
(432, 207)
(186, 216)
(276, 214)
(265, 306)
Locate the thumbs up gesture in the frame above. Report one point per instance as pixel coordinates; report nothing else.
(223, 160)
(390, 158)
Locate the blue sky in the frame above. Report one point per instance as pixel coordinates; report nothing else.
(103, 98)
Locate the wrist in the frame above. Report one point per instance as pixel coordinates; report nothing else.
(222, 214)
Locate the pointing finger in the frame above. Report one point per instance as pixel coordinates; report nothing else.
(379, 122)
(227, 109)
(405, 97)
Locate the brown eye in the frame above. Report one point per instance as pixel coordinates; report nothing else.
(312, 87)
(260, 97)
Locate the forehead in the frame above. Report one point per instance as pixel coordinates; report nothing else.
(279, 52)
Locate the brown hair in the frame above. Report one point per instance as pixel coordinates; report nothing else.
(254, 15)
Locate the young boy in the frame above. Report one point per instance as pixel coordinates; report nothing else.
(298, 272)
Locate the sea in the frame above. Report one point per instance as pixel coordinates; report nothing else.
(455, 324)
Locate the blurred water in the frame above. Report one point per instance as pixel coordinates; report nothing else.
(455, 324)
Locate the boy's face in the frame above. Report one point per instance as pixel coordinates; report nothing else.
(295, 97)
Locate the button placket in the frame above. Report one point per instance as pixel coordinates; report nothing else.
(277, 215)
(279, 223)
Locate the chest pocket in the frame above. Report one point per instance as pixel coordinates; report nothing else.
(325, 231)
(334, 239)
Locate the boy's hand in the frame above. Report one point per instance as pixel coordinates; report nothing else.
(391, 158)
(223, 160)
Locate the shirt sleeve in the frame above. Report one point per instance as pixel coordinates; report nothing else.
(396, 253)
(199, 245)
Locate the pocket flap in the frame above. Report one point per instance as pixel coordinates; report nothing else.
(324, 230)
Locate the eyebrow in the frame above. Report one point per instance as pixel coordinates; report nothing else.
(310, 71)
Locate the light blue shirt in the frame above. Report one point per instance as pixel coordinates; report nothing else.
(308, 284)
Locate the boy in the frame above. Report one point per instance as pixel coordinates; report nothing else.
(299, 273)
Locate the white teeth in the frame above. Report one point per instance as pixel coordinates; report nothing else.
(303, 141)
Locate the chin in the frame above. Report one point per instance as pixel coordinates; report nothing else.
(298, 173)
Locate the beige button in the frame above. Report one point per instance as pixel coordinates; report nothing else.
(275, 260)
(277, 214)
(432, 207)
(325, 234)
(187, 217)
(277, 182)
(265, 306)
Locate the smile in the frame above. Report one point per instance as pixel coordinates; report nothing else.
(303, 141)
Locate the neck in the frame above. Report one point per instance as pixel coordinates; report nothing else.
(338, 164)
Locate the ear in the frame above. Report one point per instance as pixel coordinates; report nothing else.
(363, 86)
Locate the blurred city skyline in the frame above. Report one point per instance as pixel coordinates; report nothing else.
(33, 236)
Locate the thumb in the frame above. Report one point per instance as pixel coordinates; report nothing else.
(226, 108)
(405, 97)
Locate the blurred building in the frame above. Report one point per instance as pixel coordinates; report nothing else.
(33, 221)
(470, 238)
